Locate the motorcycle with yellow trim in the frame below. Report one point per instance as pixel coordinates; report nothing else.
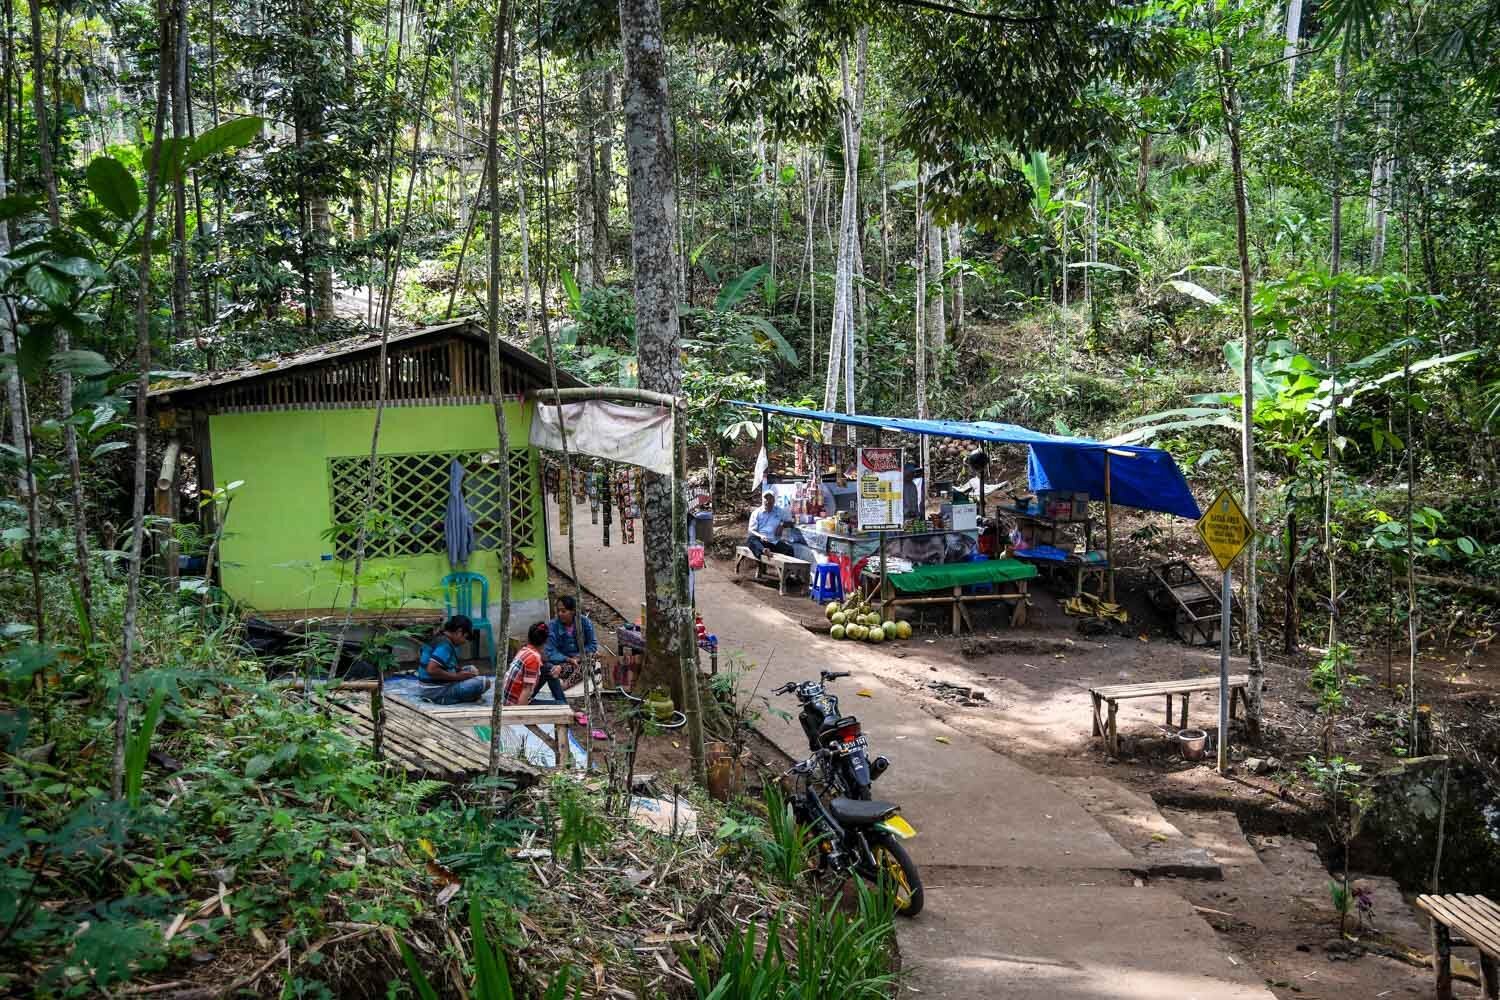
(859, 835)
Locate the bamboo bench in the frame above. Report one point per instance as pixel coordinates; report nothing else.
(1475, 920)
(781, 566)
(1114, 693)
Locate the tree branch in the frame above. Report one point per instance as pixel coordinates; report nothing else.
(978, 15)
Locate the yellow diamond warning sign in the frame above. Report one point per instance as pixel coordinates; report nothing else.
(1225, 529)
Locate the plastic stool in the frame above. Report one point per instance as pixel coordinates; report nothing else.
(979, 588)
(827, 583)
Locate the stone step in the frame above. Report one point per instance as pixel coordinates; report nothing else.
(1219, 834)
(1159, 848)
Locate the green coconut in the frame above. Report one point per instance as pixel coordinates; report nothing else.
(889, 628)
(832, 609)
(837, 632)
(876, 635)
(840, 619)
(903, 630)
(857, 631)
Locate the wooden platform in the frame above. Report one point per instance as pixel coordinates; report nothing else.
(1112, 694)
(1474, 919)
(427, 747)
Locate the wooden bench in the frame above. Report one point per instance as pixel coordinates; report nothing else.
(784, 568)
(1114, 693)
(534, 717)
(1475, 920)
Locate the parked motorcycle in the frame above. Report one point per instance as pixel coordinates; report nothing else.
(851, 771)
(859, 835)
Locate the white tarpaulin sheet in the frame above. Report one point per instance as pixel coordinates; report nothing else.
(637, 435)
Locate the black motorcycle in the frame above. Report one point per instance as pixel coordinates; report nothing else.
(851, 771)
(859, 835)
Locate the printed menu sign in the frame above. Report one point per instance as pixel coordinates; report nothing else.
(881, 492)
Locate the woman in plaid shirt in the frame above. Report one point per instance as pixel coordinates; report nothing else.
(525, 671)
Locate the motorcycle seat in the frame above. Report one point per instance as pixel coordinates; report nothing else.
(855, 812)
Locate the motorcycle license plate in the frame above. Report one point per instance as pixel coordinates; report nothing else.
(900, 827)
(858, 743)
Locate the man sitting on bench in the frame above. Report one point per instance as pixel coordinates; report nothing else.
(766, 525)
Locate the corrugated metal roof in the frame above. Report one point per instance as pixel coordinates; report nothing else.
(471, 327)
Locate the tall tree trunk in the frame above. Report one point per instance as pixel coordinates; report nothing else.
(885, 219)
(604, 173)
(586, 165)
(20, 423)
(1230, 99)
(919, 314)
(65, 378)
(1143, 166)
(182, 315)
(492, 303)
(522, 223)
(956, 256)
(937, 323)
(357, 194)
(840, 339)
(142, 388)
(1335, 268)
(319, 223)
(653, 218)
(1293, 37)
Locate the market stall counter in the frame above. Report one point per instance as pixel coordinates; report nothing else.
(986, 580)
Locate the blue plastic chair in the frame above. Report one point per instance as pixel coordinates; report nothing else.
(979, 588)
(827, 583)
(458, 599)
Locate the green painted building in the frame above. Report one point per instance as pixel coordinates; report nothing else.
(295, 432)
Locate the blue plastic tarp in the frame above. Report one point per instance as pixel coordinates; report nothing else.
(1145, 478)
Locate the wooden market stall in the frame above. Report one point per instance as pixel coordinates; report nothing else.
(950, 556)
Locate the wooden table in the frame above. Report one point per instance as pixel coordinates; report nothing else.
(533, 717)
(1018, 597)
(1114, 693)
(425, 747)
(1476, 919)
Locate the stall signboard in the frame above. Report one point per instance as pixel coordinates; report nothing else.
(881, 491)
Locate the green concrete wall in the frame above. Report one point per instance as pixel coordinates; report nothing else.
(273, 549)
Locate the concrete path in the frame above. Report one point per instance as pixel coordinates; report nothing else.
(1027, 895)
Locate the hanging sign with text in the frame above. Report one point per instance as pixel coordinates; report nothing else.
(881, 496)
(1225, 529)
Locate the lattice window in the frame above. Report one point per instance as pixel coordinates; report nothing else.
(411, 496)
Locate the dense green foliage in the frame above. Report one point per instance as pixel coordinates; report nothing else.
(321, 167)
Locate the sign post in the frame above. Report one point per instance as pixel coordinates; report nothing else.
(1226, 531)
(879, 502)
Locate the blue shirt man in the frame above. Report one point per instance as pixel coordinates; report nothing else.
(444, 680)
(569, 636)
(765, 528)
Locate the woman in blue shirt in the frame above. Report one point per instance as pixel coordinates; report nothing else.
(569, 637)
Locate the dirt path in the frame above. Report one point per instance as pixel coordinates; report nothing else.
(1028, 896)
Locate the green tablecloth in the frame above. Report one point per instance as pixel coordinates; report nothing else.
(949, 575)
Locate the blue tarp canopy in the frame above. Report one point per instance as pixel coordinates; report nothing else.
(1145, 478)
